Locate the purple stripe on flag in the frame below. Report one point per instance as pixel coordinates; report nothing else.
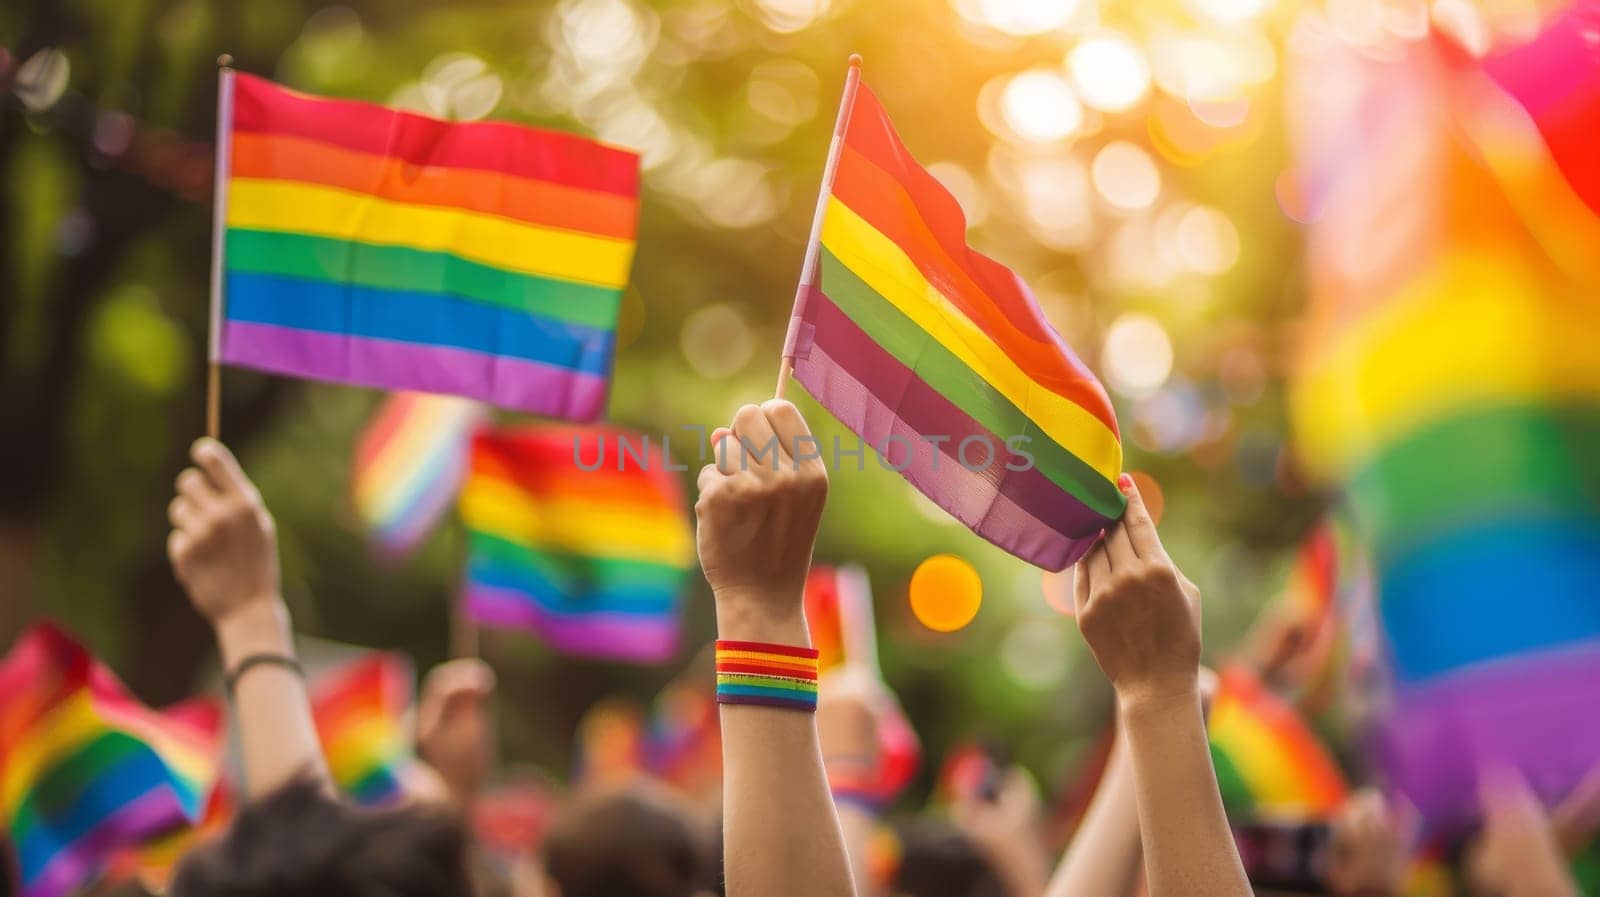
(630, 637)
(151, 814)
(509, 382)
(1535, 712)
(877, 397)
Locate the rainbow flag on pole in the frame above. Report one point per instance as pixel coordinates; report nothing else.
(578, 535)
(1268, 763)
(941, 358)
(362, 711)
(409, 463)
(371, 246)
(86, 771)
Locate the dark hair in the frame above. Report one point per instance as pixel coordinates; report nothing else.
(937, 860)
(301, 842)
(625, 844)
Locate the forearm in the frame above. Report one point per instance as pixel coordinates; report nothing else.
(1188, 847)
(277, 735)
(781, 834)
(1104, 855)
(859, 826)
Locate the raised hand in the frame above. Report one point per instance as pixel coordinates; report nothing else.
(1141, 619)
(455, 732)
(1517, 853)
(757, 517)
(224, 550)
(758, 512)
(1369, 851)
(1138, 613)
(223, 546)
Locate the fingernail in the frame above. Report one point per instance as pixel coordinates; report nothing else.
(1125, 482)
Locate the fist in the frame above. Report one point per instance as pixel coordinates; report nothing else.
(759, 508)
(223, 545)
(1369, 851)
(455, 731)
(1138, 613)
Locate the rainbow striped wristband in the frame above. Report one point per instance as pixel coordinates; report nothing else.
(766, 675)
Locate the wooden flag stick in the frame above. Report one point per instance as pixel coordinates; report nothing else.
(219, 229)
(808, 272)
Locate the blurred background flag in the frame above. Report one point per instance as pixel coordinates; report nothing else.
(580, 536)
(1269, 764)
(838, 604)
(383, 248)
(839, 613)
(1452, 387)
(409, 464)
(924, 347)
(85, 769)
(362, 709)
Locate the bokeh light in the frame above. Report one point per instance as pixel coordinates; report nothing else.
(787, 16)
(945, 593)
(717, 341)
(1057, 588)
(1230, 10)
(1039, 106)
(1137, 356)
(1125, 176)
(1019, 17)
(1207, 242)
(1034, 653)
(1109, 71)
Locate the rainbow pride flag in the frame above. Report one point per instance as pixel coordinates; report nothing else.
(1452, 387)
(941, 358)
(579, 536)
(409, 464)
(362, 710)
(838, 602)
(371, 246)
(1268, 763)
(85, 769)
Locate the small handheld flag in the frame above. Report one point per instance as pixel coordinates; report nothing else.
(579, 536)
(1268, 763)
(366, 245)
(942, 359)
(409, 464)
(361, 710)
(86, 771)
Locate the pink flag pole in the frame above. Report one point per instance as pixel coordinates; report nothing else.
(219, 228)
(808, 272)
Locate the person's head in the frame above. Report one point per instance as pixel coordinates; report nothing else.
(937, 860)
(628, 843)
(301, 842)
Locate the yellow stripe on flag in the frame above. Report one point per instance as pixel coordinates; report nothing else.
(1474, 332)
(892, 274)
(329, 212)
(63, 730)
(1258, 754)
(656, 535)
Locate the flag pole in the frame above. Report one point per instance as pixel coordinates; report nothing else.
(808, 271)
(219, 227)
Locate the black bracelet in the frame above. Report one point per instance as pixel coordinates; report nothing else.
(231, 680)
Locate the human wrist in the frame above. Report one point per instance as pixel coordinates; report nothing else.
(744, 615)
(259, 626)
(1138, 702)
